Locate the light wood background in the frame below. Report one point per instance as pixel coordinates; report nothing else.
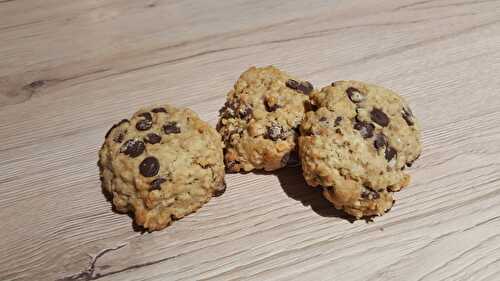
(70, 69)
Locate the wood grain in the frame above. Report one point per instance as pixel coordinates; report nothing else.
(69, 69)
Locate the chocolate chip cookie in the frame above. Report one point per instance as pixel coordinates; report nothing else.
(260, 119)
(356, 145)
(161, 165)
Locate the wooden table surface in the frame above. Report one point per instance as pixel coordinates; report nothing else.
(69, 69)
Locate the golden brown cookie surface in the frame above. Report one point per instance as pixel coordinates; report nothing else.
(161, 165)
(259, 122)
(356, 144)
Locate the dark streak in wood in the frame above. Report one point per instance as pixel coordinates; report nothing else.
(19, 25)
(313, 35)
(88, 274)
(98, 275)
(453, 5)
(483, 223)
(404, 48)
(412, 5)
(448, 262)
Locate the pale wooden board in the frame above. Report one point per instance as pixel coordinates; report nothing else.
(69, 69)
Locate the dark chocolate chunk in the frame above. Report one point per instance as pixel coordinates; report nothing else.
(370, 194)
(322, 119)
(304, 87)
(245, 113)
(152, 138)
(338, 120)
(333, 84)
(171, 128)
(149, 167)
(355, 95)
(221, 190)
(156, 184)
(308, 106)
(390, 153)
(132, 148)
(410, 163)
(114, 126)
(379, 117)
(232, 165)
(292, 84)
(380, 141)
(365, 129)
(158, 110)
(228, 110)
(271, 107)
(146, 115)
(119, 138)
(144, 125)
(408, 116)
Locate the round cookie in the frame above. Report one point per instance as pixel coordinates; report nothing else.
(161, 165)
(356, 145)
(260, 119)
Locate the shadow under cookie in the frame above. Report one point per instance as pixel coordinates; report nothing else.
(295, 187)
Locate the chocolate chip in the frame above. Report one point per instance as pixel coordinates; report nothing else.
(370, 194)
(156, 184)
(408, 116)
(158, 110)
(308, 106)
(275, 132)
(338, 131)
(114, 126)
(220, 191)
(365, 129)
(338, 120)
(271, 107)
(292, 84)
(144, 125)
(149, 167)
(333, 84)
(146, 115)
(322, 119)
(152, 138)
(379, 117)
(119, 138)
(171, 128)
(228, 110)
(245, 113)
(132, 148)
(232, 165)
(410, 163)
(390, 153)
(304, 87)
(380, 141)
(355, 95)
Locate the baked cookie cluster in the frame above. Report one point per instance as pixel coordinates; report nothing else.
(354, 140)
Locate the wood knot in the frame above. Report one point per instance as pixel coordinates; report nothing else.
(36, 84)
